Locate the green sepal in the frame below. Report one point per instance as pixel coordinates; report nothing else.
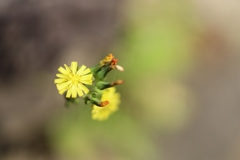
(100, 72)
(101, 85)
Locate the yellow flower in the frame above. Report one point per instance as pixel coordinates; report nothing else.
(72, 80)
(102, 113)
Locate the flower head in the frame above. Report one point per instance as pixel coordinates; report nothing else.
(102, 113)
(72, 80)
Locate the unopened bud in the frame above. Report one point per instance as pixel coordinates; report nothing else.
(101, 85)
(117, 82)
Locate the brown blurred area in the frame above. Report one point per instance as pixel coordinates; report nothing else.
(39, 30)
(36, 37)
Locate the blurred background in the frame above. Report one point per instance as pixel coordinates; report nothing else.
(180, 100)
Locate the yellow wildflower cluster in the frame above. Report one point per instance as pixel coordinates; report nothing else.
(88, 83)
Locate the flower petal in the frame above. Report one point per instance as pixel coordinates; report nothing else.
(86, 82)
(86, 71)
(63, 85)
(63, 90)
(74, 67)
(99, 113)
(69, 92)
(61, 76)
(60, 80)
(79, 72)
(86, 77)
(67, 68)
(74, 91)
(83, 88)
(62, 70)
(80, 92)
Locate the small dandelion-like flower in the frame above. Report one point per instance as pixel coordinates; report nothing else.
(102, 113)
(72, 80)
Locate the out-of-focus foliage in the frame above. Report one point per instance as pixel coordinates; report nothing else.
(76, 135)
(157, 38)
(157, 51)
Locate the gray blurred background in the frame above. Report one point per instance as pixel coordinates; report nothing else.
(180, 100)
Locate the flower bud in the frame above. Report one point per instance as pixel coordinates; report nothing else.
(101, 85)
(101, 70)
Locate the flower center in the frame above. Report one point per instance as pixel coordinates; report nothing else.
(73, 78)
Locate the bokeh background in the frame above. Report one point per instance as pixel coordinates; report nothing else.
(181, 97)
